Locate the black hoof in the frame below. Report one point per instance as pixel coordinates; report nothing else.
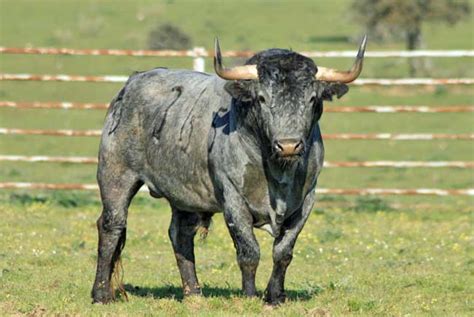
(192, 292)
(275, 300)
(101, 297)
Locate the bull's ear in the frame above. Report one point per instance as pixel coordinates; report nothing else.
(334, 89)
(240, 89)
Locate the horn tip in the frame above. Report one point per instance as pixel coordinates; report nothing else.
(363, 45)
(217, 57)
(364, 41)
(217, 51)
(217, 47)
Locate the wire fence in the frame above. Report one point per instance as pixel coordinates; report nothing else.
(202, 52)
(198, 54)
(328, 136)
(336, 109)
(327, 191)
(123, 79)
(396, 164)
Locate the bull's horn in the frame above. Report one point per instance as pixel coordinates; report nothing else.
(330, 74)
(234, 73)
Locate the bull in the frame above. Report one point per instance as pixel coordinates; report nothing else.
(245, 142)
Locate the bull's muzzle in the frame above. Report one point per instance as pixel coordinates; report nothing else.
(288, 147)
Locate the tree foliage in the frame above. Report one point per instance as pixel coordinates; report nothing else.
(402, 19)
(389, 19)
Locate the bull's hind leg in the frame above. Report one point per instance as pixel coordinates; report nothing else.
(182, 230)
(117, 189)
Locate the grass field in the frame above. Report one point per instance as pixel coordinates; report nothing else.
(365, 256)
(364, 259)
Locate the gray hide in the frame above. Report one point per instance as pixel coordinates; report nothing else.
(180, 133)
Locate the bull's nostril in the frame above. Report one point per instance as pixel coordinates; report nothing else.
(278, 147)
(299, 147)
(288, 147)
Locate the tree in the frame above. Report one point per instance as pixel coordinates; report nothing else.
(402, 19)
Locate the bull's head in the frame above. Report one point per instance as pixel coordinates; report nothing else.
(280, 94)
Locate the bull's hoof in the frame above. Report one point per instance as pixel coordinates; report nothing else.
(188, 291)
(275, 299)
(101, 297)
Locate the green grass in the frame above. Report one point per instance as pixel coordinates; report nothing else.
(362, 256)
(367, 258)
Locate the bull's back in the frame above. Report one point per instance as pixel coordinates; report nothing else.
(166, 119)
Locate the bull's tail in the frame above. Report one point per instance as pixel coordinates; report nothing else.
(116, 282)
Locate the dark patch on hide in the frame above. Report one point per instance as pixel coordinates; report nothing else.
(158, 126)
(188, 116)
(116, 110)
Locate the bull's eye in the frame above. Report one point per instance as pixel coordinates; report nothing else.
(312, 100)
(261, 99)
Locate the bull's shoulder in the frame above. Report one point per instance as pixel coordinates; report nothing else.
(165, 78)
(162, 97)
(159, 84)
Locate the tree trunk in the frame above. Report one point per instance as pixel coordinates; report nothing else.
(415, 42)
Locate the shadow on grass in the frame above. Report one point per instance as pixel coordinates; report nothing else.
(176, 293)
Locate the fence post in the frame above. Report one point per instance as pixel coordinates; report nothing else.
(199, 63)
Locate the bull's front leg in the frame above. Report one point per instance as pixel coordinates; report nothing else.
(240, 224)
(283, 252)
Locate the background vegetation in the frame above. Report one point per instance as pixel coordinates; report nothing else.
(392, 19)
(385, 256)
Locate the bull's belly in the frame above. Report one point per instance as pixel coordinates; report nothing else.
(192, 196)
(182, 178)
(177, 159)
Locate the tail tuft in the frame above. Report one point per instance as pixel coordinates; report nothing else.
(116, 282)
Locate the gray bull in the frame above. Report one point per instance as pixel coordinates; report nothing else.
(246, 143)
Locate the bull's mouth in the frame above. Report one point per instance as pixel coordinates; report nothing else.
(289, 157)
(287, 160)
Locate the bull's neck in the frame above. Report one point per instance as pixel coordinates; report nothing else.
(281, 180)
(244, 120)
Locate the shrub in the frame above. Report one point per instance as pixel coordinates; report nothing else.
(168, 36)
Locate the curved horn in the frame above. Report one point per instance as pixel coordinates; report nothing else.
(330, 74)
(234, 73)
